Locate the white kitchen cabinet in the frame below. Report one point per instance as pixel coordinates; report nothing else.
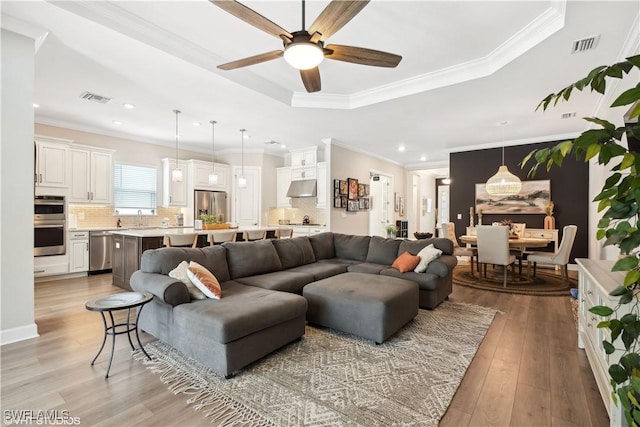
(91, 174)
(309, 172)
(595, 282)
(283, 181)
(78, 251)
(174, 193)
(51, 162)
(199, 176)
(304, 157)
(50, 265)
(322, 186)
(308, 230)
(247, 201)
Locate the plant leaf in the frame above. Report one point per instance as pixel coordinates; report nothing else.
(601, 310)
(626, 263)
(627, 97)
(618, 374)
(608, 348)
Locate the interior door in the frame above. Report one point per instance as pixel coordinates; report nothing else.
(247, 201)
(381, 204)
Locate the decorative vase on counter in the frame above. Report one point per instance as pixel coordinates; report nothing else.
(549, 220)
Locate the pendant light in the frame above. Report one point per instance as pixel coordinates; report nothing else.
(213, 178)
(176, 173)
(242, 181)
(503, 183)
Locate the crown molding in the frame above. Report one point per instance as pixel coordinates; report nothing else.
(18, 26)
(546, 24)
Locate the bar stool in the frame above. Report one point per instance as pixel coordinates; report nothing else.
(284, 233)
(219, 237)
(181, 240)
(251, 235)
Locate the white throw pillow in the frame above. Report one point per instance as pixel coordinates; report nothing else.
(180, 273)
(427, 254)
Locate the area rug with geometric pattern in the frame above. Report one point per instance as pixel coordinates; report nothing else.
(331, 378)
(546, 283)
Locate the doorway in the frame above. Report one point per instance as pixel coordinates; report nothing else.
(443, 206)
(381, 207)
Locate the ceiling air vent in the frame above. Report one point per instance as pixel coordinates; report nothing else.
(567, 115)
(94, 97)
(582, 45)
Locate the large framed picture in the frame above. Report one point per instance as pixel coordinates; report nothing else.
(353, 189)
(532, 199)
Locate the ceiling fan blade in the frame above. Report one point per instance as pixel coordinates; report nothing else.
(252, 60)
(335, 16)
(311, 79)
(252, 17)
(361, 55)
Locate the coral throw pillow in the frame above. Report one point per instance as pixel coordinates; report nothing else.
(181, 273)
(204, 280)
(406, 262)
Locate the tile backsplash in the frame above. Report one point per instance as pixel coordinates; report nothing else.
(89, 216)
(300, 207)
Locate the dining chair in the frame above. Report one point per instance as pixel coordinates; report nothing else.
(219, 237)
(561, 257)
(284, 233)
(520, 254)
(181, 240)
(449, 232)
(493, 248)
(251, 235)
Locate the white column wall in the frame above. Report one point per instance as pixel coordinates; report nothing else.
(17, 319)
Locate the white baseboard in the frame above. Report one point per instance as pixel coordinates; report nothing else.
(20, 333)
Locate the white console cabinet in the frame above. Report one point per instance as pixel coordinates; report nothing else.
(596, 281)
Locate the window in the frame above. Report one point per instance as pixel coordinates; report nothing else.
(134, 188)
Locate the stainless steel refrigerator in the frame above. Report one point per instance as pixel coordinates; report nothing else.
(210, 203)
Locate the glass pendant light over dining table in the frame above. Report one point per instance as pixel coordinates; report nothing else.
(242, 181)
(213, 177)
(176, 173)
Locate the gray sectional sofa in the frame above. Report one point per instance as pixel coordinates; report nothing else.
(262, 307)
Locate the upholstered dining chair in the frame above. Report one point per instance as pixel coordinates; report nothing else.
(251, 235)
(493, 248)
(449, 232)
(561, 257)
(219, 237)
(520, 254)
(181, 240)
(284, 233)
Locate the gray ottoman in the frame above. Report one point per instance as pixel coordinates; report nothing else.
(370, 306)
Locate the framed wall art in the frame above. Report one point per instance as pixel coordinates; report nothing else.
(352, 185)
(352, 205)
(532, 199)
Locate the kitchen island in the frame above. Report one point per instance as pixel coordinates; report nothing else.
(129, 244)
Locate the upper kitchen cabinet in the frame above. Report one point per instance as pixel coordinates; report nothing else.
(51, 161)
(304, 157)
(174, 193)
(283, 180)
(322, 185)
(91, 175)
(199, 172)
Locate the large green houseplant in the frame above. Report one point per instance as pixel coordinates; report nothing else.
(619, 202)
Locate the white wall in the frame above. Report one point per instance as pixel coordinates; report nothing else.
(17, 319)
(350, 164)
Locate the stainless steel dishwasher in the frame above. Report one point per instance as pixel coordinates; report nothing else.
(100, 250)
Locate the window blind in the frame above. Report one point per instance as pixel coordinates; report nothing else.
(134, 187)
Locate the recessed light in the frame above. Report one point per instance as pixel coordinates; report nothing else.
(36, 105)
(423, 158)
(246, 136)
(116, 122)
(401, 148)
(129, 106)
(196, 123)
(446, 181)
(283, 145)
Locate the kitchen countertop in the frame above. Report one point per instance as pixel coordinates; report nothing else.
(297, 225)
(160, 232)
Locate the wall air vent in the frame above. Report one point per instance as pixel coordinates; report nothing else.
(567, 115)
(94, 97)
(271, 142)
(582, 45)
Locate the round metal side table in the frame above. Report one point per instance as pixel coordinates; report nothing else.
(109, 304)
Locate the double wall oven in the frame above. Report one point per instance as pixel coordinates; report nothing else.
(49, 226)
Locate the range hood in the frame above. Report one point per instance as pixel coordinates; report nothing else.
(303, 188)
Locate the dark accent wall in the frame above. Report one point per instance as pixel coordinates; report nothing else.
(569, 189)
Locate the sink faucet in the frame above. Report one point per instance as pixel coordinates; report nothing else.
(139, 217)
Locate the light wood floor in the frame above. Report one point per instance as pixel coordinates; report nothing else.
(527, 372)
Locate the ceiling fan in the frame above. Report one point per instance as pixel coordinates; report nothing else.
(305, 49)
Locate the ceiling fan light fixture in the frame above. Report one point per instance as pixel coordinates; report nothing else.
(303, 55)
